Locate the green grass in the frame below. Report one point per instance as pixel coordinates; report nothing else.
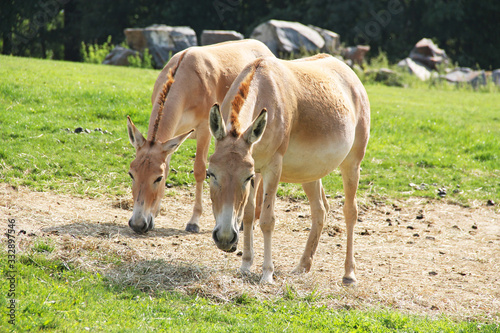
(426, 135)
(54, 297)
(449, 138)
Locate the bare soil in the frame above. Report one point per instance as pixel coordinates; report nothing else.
(416, 256)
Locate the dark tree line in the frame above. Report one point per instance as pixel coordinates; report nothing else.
(469, 30)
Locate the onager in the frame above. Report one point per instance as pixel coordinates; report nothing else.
(191, 82)
(290, 121)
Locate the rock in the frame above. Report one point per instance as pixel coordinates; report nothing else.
(283, 37)
(355, 54)
(490, 203)
(218, 36)
(78, 129)
(386, 76)
(466, 75)
(441, 192)
(415, 68)
(495, 77)
(332, 40)
(427, 53)
(161, 40)
(119, 56)
(87, 131)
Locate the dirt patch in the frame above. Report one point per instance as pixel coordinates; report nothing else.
(416, 256)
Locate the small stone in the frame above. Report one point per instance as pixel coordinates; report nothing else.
(490, 203)
(432, 273)
(78, 129)
(441, 252)
(430, 238)
(365, 233)
(420, 216)
(434, 307)
(98, 129)
(410, 227)
(441, 192)
(474, 226)
(239, 254)
(168, 185)
(416, 235)
(106, 132)
(87, 131)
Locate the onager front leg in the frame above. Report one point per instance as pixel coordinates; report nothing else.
(200, 174)
(315, 194)
(267, 219)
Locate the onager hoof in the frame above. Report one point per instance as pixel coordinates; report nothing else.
(267, 278)
(194, 228)
(299, 270)
(348, 281)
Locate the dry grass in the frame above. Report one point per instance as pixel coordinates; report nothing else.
(445, 262)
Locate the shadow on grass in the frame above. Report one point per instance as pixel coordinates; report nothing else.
(110, 230)
(157, 275)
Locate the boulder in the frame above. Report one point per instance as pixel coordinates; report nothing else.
(161, 40)
(119, 56)
(466, 75)
(209, 37)
(355, 54)
(495, 77)
(283, 37)
(416, 68)
(427, 53)
(332, 40)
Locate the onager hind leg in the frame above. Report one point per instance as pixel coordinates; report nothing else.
(319, 208)
(200, 174)
(350, 179)
(247, 226)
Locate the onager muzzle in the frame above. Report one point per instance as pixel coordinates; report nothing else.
(140, 223)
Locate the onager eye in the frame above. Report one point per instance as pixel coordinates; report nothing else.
(158, 179)
(130, 174)
(249, 178)
(211, 175)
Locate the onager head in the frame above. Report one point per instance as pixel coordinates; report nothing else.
(231, 172)
(148, 171)
(150, 167)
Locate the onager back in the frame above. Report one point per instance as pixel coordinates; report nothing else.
(190, 83)
(290, 121)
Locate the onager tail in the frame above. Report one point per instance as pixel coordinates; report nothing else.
(163, 95)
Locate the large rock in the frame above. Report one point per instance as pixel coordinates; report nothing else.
(161, 40)
(119, 56)
(332, 40)
(209, 37)
(355, 55)
(466, 75)
(427, 53)
(283, 37)
(416, 68)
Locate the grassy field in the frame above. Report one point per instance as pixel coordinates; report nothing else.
(445, 138)
(52, 296)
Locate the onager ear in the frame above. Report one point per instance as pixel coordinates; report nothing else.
(135, 137)
(171, 145)
(254, 132)
(217, 126)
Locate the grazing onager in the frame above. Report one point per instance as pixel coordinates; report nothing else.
(190, 83)
(290, 121)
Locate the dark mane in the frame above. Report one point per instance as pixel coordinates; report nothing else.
(163, 95)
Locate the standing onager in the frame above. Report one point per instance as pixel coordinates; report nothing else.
(190, 83)
(290, 121)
